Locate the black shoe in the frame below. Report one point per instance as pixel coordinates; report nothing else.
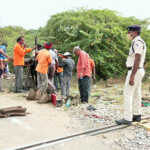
(84, 102)
(123, 121)
(91, 108)
(136, 118)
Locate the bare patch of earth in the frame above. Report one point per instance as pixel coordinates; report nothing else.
(46, 122)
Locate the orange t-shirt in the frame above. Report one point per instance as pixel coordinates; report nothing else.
(61, 55)
(83, 65)
(19, 53)
(60, 69)
(92, 65)
(44, 59)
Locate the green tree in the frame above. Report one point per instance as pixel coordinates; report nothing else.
(102, 33)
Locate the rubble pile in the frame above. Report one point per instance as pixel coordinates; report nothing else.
(103, 112)
(140, 141)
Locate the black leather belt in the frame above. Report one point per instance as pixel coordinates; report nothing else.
(130, 68)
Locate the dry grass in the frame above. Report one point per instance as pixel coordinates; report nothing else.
(112, 90)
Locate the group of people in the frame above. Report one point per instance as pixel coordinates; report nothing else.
(52, 70)
(58, 68)
(52, 66)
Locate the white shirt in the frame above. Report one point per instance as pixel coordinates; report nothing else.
(138, 46)
(54, 56)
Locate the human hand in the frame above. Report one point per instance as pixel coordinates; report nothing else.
(94, 78)
(10, 59)
(1, 51)
(131, 82)
(25, 45)
(81, 75)
(35, 47)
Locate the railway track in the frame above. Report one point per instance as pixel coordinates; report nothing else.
(92, 132)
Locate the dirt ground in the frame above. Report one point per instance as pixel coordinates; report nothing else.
(47, 122)
(43, 123)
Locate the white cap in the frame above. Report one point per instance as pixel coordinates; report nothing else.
(67, 54)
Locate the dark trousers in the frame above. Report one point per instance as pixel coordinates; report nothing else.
(84, 87)
(1, 72)
(58, 79)
(51, 72)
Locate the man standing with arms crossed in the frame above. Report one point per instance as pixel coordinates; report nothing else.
(135, 66)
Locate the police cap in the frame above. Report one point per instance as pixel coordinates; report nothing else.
(134, 28)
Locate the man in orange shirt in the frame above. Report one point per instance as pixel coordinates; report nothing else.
(44, 60)
(83, 73)
(18, 62)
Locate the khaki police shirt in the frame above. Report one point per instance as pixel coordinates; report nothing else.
(138, 46)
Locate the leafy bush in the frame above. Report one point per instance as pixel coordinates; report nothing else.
(10, 34)
(101, 33)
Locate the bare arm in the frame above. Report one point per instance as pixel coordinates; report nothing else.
(94, 72)
(2, 52)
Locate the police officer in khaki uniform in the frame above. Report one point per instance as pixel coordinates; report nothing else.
(135, 66)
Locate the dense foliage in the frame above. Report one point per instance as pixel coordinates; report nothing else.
(10, 34)
(102, 33)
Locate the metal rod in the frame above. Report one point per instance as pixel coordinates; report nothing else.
(92, 132)
(63, 138)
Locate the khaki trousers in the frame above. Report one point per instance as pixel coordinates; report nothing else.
(19, 77)
(42, 80)
(66, 85)
(132, 95)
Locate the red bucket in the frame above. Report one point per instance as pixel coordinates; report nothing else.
(53, 98)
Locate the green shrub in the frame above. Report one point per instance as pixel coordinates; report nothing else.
(101, 33)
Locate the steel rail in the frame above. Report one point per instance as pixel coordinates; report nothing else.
(91, 132)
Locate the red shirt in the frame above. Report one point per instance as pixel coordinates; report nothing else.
(83, 65)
